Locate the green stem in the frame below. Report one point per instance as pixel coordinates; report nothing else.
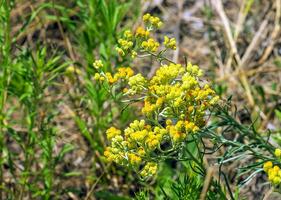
(202, 169)
(4, 86)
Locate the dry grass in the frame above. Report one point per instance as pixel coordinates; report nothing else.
(237, 42)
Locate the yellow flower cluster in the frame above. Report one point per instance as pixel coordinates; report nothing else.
(137, 83)
(150, 45)
(141, 41)
(149, 169)
(140, 136)
(151, 20)
(123, 73)
(98, 77)
(113, 154)
(179, 131)
(142, 33)
(125, 44)
(112, 132)
(98, 64)
(170, 43)
(135, 145)
(128, 34)
(173, 93)
(273, 172)
(277, 153)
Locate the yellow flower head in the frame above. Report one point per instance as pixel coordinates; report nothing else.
(112, 132)
(137, 83)
(134, 54)
(98, 77)
(150, 45)
(98, 64)
(194, 70)
(146, 17)
(141, 32)
(134, 159)
(149, 169)
(125, 44)
(141, 151)
(111, 79)
(170, 43)
(169, 122)
(128, 34)
(156, 22)
(124, 73)
(277, 153)
(153, 21)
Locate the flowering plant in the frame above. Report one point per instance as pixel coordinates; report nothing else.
(175, 105)
(175, 102)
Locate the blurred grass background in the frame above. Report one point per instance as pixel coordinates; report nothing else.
(53, 117)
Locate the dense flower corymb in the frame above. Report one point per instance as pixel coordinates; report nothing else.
(174, 103)
(174, 94)
(141, 40)
(273, 171)
(123, 73)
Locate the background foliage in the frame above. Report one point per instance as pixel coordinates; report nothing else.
(53, 116)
